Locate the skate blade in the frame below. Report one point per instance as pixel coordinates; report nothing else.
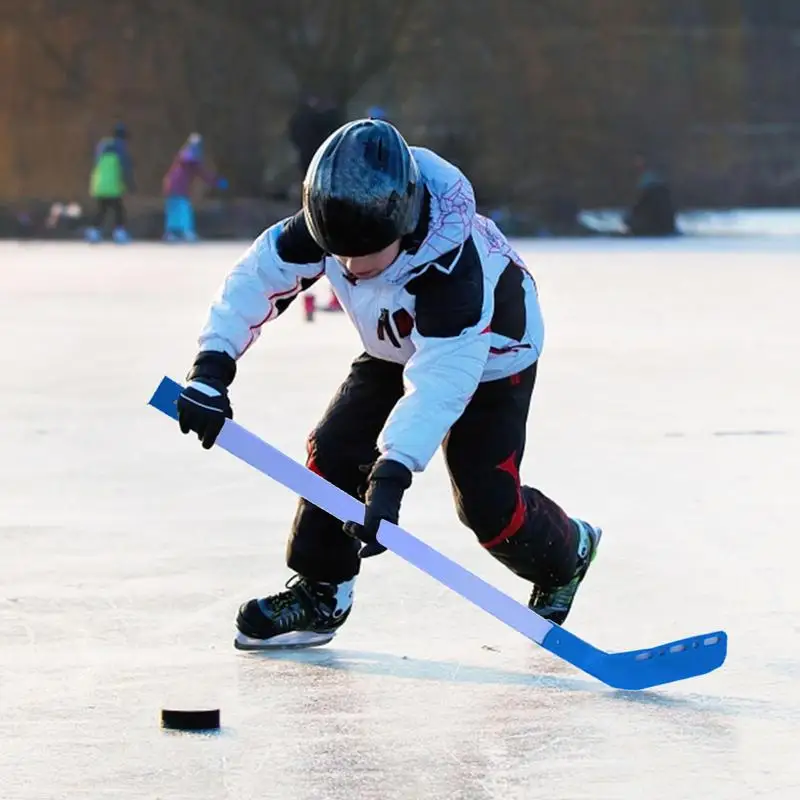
(294, 640)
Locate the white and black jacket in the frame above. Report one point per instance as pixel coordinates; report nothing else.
(457, 307)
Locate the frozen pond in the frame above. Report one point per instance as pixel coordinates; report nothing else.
(666, 410)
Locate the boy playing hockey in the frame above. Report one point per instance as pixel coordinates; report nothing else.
(452, 331)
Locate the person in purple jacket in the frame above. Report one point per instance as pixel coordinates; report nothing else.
(187, 165)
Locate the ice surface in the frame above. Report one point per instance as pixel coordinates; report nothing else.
(666, 410)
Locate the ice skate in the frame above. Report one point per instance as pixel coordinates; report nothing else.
(555, 604)
(307, 614)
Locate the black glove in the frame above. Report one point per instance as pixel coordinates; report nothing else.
(385, 488)
(203, 405)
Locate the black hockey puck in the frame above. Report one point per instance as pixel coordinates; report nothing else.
(181, 720)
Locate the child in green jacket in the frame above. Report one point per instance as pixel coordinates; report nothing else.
(110, 179)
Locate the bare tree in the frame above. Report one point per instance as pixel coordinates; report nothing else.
(334, 47)
(60, 49)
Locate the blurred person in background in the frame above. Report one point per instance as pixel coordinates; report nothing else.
(313, 121)
(376, 112)
(188, 164)
(111, 179)
(653, 213)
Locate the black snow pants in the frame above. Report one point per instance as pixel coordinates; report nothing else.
(517, 524)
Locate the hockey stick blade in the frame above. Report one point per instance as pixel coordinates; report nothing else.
(636, 669)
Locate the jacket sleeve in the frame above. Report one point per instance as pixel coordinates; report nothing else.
(279, 265)
(452, 313)
(127, 167)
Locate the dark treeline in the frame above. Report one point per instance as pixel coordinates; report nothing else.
(535, 98)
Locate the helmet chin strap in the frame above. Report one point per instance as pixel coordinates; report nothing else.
(349, 277)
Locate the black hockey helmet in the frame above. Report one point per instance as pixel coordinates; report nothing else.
(363, 189)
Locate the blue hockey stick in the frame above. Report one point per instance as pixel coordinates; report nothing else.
(634, 669)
